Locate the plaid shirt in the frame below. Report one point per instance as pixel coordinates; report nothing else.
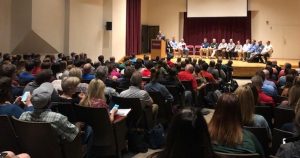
(59, 122)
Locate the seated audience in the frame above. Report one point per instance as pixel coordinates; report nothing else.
(135, 91)
(87, 72)
(293, 97)
(155, 86)
(113, 72)
(187, 137)
(146, 72)
(291, 149)
(226, 131)
(26, 76)
(247, 103)
(124, 81)
(8, 108)
(207, 75)
(264, 99)
(41, 100)
(187, 75)
(69, 86)
(95, 97)
(102, 73)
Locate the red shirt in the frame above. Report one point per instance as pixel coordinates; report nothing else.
(146, 73)
(208, 76)
(36, 70)
(170, 63)
(264, 98)
(187, 76)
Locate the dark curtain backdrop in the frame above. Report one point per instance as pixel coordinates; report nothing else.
(195, 29)
(133, 27)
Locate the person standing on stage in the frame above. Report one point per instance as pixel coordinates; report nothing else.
(230, 49)
(182, 48)
(213, 47)
(204, 47)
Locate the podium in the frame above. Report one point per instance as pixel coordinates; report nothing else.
(158, 48)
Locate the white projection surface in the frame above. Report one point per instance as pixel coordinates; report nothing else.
(217, 8)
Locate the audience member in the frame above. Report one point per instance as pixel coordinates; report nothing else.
(87, 72)
(264, 99)
(226, 131)
(26, 76)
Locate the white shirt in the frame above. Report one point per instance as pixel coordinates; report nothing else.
(181, 45)
(222, 46)
(174, 44)
(230, 46)
(246, 47)
(238, 48)
(267, 49)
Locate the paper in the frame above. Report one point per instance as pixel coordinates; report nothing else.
(123, 112)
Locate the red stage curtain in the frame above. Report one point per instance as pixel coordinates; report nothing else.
(133, 27)
(237, 28)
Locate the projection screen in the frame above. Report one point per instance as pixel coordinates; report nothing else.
(217, 8)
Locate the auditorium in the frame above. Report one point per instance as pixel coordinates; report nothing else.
(149, 79)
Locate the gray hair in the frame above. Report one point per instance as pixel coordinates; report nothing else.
(101, 73)
(136, 79)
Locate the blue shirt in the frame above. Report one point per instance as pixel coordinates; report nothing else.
(205, 45)
(13, 110)
(26, 77)
(269, 88)
(88, 76)
(259, 48)
(252, 48)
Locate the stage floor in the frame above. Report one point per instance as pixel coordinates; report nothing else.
(244, 69)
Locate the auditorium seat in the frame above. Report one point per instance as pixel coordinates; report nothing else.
(282, 116)
(191, 49)
(277, 138)
(197, 49)
(229, 155)
(8, 136)
(261, 134)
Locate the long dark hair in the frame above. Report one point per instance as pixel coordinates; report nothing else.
(187, 136)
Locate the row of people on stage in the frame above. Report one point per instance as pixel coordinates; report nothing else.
(250, 51)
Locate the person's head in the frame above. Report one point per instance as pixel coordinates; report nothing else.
(101, 73)
(112, 59)
(178, 60)
(37, 62)
(136, 79)
(212, 63)
(5, 89)
(223, 40)
(138, 63)
(101, 59)
(257, 81)
(41, 97)
(253, 42)
(59, 55)
(43, 76)
(6, 57)
(247, 41)
(154, 75)
(182, 40)
(214, 40)
(46, 65)
(95, 91)
(219, 61)
(75, 72)
(8, 70)
(247, 103)
(87, 68)
(29, 66)
(238, 42)
(231, 40)
(267, 74)
(225, 126)
(205, 66)
(187, 136)
(128, 72)
(259, 42)
(294, 95)
(205, 40)
(189, 68)
(173, 39)
(69, 85)
(268, 42)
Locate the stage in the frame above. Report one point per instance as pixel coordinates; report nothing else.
(243, 69)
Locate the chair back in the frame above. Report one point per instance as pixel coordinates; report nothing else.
(277, 138)
(197, 49)
(64, 108)
(38, 139)
(165, 110)
(261, 134)
(191, 49)
(229, 155)
(8, 136)
(282, 116)
(135, 118)
(187, 85)
(103, 133)
(266, 112)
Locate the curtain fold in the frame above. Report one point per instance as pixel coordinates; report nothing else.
(237, 28)
(133, 27)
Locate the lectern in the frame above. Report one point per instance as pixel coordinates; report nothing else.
(158, 48)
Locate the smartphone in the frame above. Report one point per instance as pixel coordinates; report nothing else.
(25, 96)
(116, 107)
(3, 155)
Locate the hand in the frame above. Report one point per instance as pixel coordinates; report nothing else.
(79, 125)
(81, 95)
(114, 111)
(28, 101)
(18, 100)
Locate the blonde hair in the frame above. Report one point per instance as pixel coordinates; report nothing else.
(95, 91)
(69, 84)
(246, 100)
(75, 72)
(294, 95)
